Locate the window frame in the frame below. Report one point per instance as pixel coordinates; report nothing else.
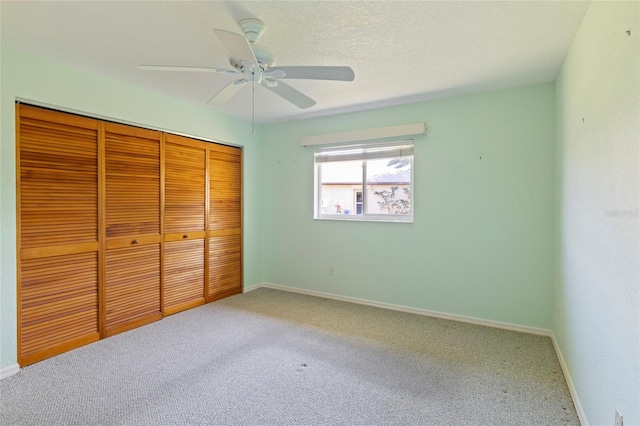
(365, 148)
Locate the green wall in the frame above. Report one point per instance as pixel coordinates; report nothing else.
(597, 276)
(28, 77)
(481, 244)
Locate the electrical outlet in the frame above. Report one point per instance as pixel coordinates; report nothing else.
(332, 270)
(618, 418)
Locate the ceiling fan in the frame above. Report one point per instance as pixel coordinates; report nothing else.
(255, 64)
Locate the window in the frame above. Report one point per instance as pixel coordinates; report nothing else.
(358, 201)
(365, 182)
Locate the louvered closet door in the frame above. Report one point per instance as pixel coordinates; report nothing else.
(132, 227)
(225, 222)
(184, 223)
(57, 232)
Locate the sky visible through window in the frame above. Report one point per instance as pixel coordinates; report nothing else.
(351, 172)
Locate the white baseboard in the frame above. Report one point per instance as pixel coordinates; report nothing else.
(9, 371)
(408, 309)
(252, 287)
(572, 389)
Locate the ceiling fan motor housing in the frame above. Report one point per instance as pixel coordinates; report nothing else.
(265, 59)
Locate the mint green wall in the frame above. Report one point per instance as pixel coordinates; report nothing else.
(481, 245)
(44, 81)
(597, 276)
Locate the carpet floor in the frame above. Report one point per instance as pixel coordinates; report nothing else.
(269, 357)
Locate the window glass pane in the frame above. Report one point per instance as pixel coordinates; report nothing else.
(340, 182)
(389, 186)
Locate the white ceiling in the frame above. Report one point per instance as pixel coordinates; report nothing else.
(401, 51)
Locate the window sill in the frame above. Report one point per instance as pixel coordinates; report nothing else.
(367, 218)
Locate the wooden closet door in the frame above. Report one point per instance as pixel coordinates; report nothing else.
(58, 245)
(184, 223)
(132, 227)
(225, 222)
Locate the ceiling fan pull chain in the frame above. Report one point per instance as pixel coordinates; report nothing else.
(253, 107)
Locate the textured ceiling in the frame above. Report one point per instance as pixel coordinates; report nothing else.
(401, 51)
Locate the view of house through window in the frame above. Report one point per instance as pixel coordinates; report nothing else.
(367, 182)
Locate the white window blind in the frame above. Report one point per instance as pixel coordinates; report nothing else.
(365, 152)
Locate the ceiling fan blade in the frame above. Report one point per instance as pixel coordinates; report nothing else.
(227, 92)
(189, 69)
(313, 73)
(238, 46)
(294, 96)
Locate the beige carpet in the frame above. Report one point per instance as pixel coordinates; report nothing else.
(272, 357)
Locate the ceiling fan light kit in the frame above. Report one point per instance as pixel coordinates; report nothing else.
(255, 64)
